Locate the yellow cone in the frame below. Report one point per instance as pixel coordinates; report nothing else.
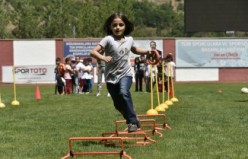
(164, 105)
(2, 105)
(174, 99)
(160, 108)
(151, 112)
(15, 103)
(169, 103)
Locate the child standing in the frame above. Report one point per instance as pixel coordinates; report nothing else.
(80, 67)
(87, 76)
(118, 73)
(169, 72)
(59, 71)
(139, 74)
(68, 73)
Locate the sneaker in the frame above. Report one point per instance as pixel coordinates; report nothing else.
(138, 124)
(108, 95)
(132, 127)
(98, 94)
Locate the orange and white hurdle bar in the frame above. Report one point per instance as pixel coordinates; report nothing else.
(137, 135)
(150, 127)
(120, 153)
(160, 124)
(140, 136)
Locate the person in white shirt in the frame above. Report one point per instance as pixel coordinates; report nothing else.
(169, 72)
(87, 76)
(79, 67)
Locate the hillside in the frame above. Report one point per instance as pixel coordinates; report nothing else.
(174, 3)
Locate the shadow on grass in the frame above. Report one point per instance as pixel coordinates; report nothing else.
(105, 143)
(88, 143)
(241, 101)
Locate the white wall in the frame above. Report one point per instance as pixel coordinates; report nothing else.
(34, 52)
(197, 74)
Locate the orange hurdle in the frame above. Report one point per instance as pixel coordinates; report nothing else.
(152, 125)
(120, 153)
(137, 135)
(159, 126)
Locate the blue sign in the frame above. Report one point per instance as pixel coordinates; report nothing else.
(79, 48)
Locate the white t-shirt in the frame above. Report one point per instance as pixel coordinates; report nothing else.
(170, 69)
(79, 67)
(67, 74)
(120, 65)
(154, 71)
(86, 72)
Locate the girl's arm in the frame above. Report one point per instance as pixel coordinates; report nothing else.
(95, 53)
(137, 50)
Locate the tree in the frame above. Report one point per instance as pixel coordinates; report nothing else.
(88, 20)
(57, 21)
(25, 20)
(85, 18)
(4, 20)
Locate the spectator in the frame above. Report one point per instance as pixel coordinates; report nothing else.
(169, 72)
(139, 74)
(87, 76)
(76, 75)
(68, 76)
(79, 68)
(150, 74)
(91, 74)
(100, 73)
(60, 81)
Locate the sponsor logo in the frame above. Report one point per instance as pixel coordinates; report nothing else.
(31, 70)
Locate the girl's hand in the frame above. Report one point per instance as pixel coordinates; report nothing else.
(107, 58)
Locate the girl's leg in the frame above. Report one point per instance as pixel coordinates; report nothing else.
(122, 99)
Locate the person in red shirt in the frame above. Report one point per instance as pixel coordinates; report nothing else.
(60, 81)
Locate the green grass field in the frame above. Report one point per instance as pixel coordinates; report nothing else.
(205, 124)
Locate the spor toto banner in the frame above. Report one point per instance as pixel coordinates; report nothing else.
(212, 53)
(29, 74)
(35, 74)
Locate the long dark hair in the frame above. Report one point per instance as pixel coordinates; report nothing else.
(129, 25)
(169, 58)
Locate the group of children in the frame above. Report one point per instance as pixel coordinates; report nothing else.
(145, 72)
(74, 75)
